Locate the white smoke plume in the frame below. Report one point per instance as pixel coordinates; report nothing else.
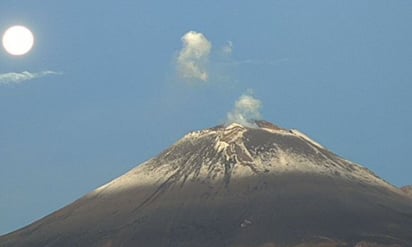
(16, 78)
(247, 108)
(193, 58)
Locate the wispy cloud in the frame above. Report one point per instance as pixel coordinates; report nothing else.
(227, 49)
(247, 109)
(258, 62)
(19, 77)
(193, 57)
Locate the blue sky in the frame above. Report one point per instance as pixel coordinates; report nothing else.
(339, 71)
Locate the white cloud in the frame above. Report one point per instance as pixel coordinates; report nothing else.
(16, 78)
(247, 108)
(193, 58)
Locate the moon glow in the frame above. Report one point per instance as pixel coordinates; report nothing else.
(18, 40)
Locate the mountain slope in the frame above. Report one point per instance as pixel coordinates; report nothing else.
(407, 189)
(233, 186)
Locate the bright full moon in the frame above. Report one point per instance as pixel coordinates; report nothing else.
(18, 40)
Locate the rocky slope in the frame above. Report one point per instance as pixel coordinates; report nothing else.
(234, 186)
(407, 189)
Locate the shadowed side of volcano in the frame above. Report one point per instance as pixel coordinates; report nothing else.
(249, 212)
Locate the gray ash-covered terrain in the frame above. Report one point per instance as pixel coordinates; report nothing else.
(407, 189)
(233, 186)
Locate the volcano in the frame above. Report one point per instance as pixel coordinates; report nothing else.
(233, 186)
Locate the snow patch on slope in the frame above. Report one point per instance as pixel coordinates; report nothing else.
(138, 176)
(305, 137)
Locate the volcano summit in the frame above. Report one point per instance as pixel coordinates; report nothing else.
(233, 186)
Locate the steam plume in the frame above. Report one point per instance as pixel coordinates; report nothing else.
(247, 108)
(193, 57)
